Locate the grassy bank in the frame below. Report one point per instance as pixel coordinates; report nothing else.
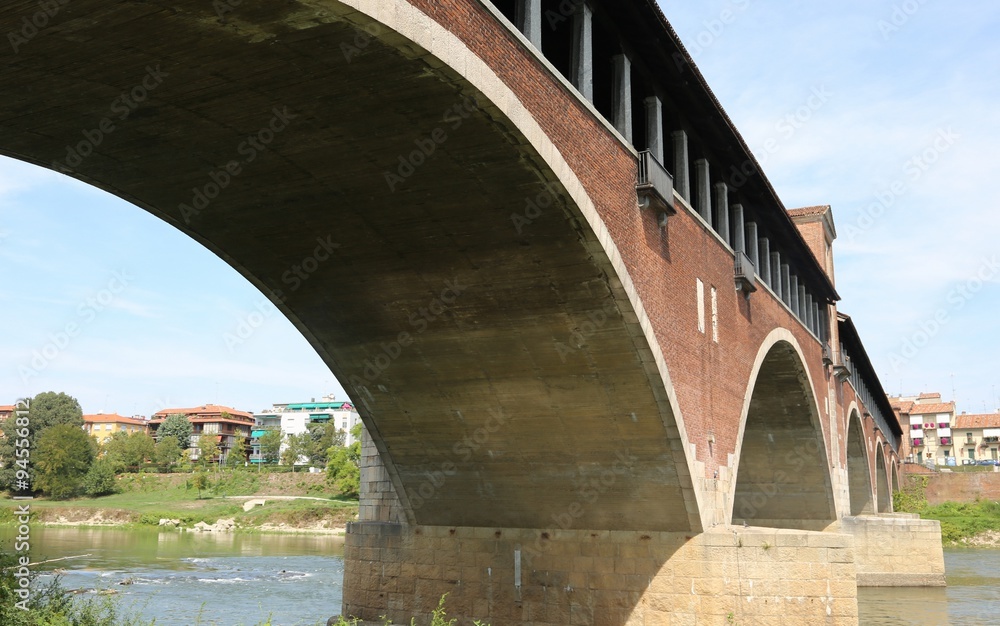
(144, 499)
(962, 523)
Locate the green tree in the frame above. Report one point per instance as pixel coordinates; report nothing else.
(270, 445)
(45, 410)
(324, 437)
(167, 452)
(178, 427)
(200, 482)
(208, 449)
(343, 471)
(296, 446)
(100, 479)
(238, 453)
(64, 456)
(128, 452)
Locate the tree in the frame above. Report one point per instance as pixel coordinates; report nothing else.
(324, 437)
(208, 448)
(64, 456)
(200, 482)
(295, 447)
(100, 479)
(128, 452)
(45, 410)
(270, 445)
(238, 453)
(167, 452)
(343, 471)
(178, 427)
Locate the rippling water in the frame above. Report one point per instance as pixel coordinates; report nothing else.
(971, 597)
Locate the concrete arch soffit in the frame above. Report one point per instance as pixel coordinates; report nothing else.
(414, 25)
(854, 413)
(776, 336)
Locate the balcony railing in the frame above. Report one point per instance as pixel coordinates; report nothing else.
(655, 185)
(745, 273)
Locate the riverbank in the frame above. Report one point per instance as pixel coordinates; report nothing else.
(972, 523)
(272, 503)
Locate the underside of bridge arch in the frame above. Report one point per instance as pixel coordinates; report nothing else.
(783, 479)
(368, 190)
(895, 477)
(884, 496)
(859, 477)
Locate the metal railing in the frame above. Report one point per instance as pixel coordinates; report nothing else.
(654, 184)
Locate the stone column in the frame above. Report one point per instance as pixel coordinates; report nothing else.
(623, 95)
(682, 173)
(529, 21)
(786, 285)
(776, 273)
(793, 295)
(722, 211)
(765, 259)
(752, 250)
(654, 127)
(703, 185)
(582, 63)
(739, 229)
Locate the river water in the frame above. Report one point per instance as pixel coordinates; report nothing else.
(221, 579)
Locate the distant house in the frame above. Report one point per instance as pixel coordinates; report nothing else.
(230, 427)
(927, 428)
(978, 436)
(296, 417)
(103, 425)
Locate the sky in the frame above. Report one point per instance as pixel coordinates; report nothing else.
(884, 110)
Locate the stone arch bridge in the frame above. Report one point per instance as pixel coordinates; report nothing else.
(600, 363)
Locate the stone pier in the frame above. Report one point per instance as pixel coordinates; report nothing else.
(896, 550)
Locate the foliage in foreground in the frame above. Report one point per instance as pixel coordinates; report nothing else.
(438, 616)
(959, 520)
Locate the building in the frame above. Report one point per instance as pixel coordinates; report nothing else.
(977, 437)
(928, 424)
(102, 426)
(230, 427)
(296, 418)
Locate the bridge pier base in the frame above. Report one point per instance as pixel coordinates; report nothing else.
(615, 578)
(896, 550)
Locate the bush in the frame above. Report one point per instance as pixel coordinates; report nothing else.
(100, 480)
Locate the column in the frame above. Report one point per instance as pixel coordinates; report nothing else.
(582, 62)
(786, 285)
(752, 245)
(776, 273)
(529, 21)
(765, 259)
(682, 175)
(793, 289)
(654, 127)
(703, 186)
(722, 211)
(739, 229)
(802, 306)
(810, 320)
(623, 95)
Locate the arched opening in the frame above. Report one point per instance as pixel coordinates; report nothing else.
(859, 478)
(783, 480)
(895, 476)
(882, 481)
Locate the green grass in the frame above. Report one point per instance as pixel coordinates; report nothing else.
(958, 520)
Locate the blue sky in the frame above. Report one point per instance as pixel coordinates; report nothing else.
(893, 122)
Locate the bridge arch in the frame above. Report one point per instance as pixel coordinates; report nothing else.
(859, 477)
(447, 227)
(883, 494)
(783, 475)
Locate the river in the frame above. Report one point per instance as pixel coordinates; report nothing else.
(214, 579)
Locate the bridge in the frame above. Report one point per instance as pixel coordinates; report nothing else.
(601, 365)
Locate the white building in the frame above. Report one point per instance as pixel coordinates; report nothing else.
(296, 417)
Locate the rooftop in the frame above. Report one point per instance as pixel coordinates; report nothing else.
(207, 410)
(939, 407)
(981, 420)
(112, 418)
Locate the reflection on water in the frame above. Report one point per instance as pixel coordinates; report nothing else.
(972, 596)
(210, 579)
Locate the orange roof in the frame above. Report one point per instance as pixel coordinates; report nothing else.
(903, 406)
(924, 409)
(6, 408)
(113, 418)
(982, 420)
(809, 210)
(929, 396)
(203, 411)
